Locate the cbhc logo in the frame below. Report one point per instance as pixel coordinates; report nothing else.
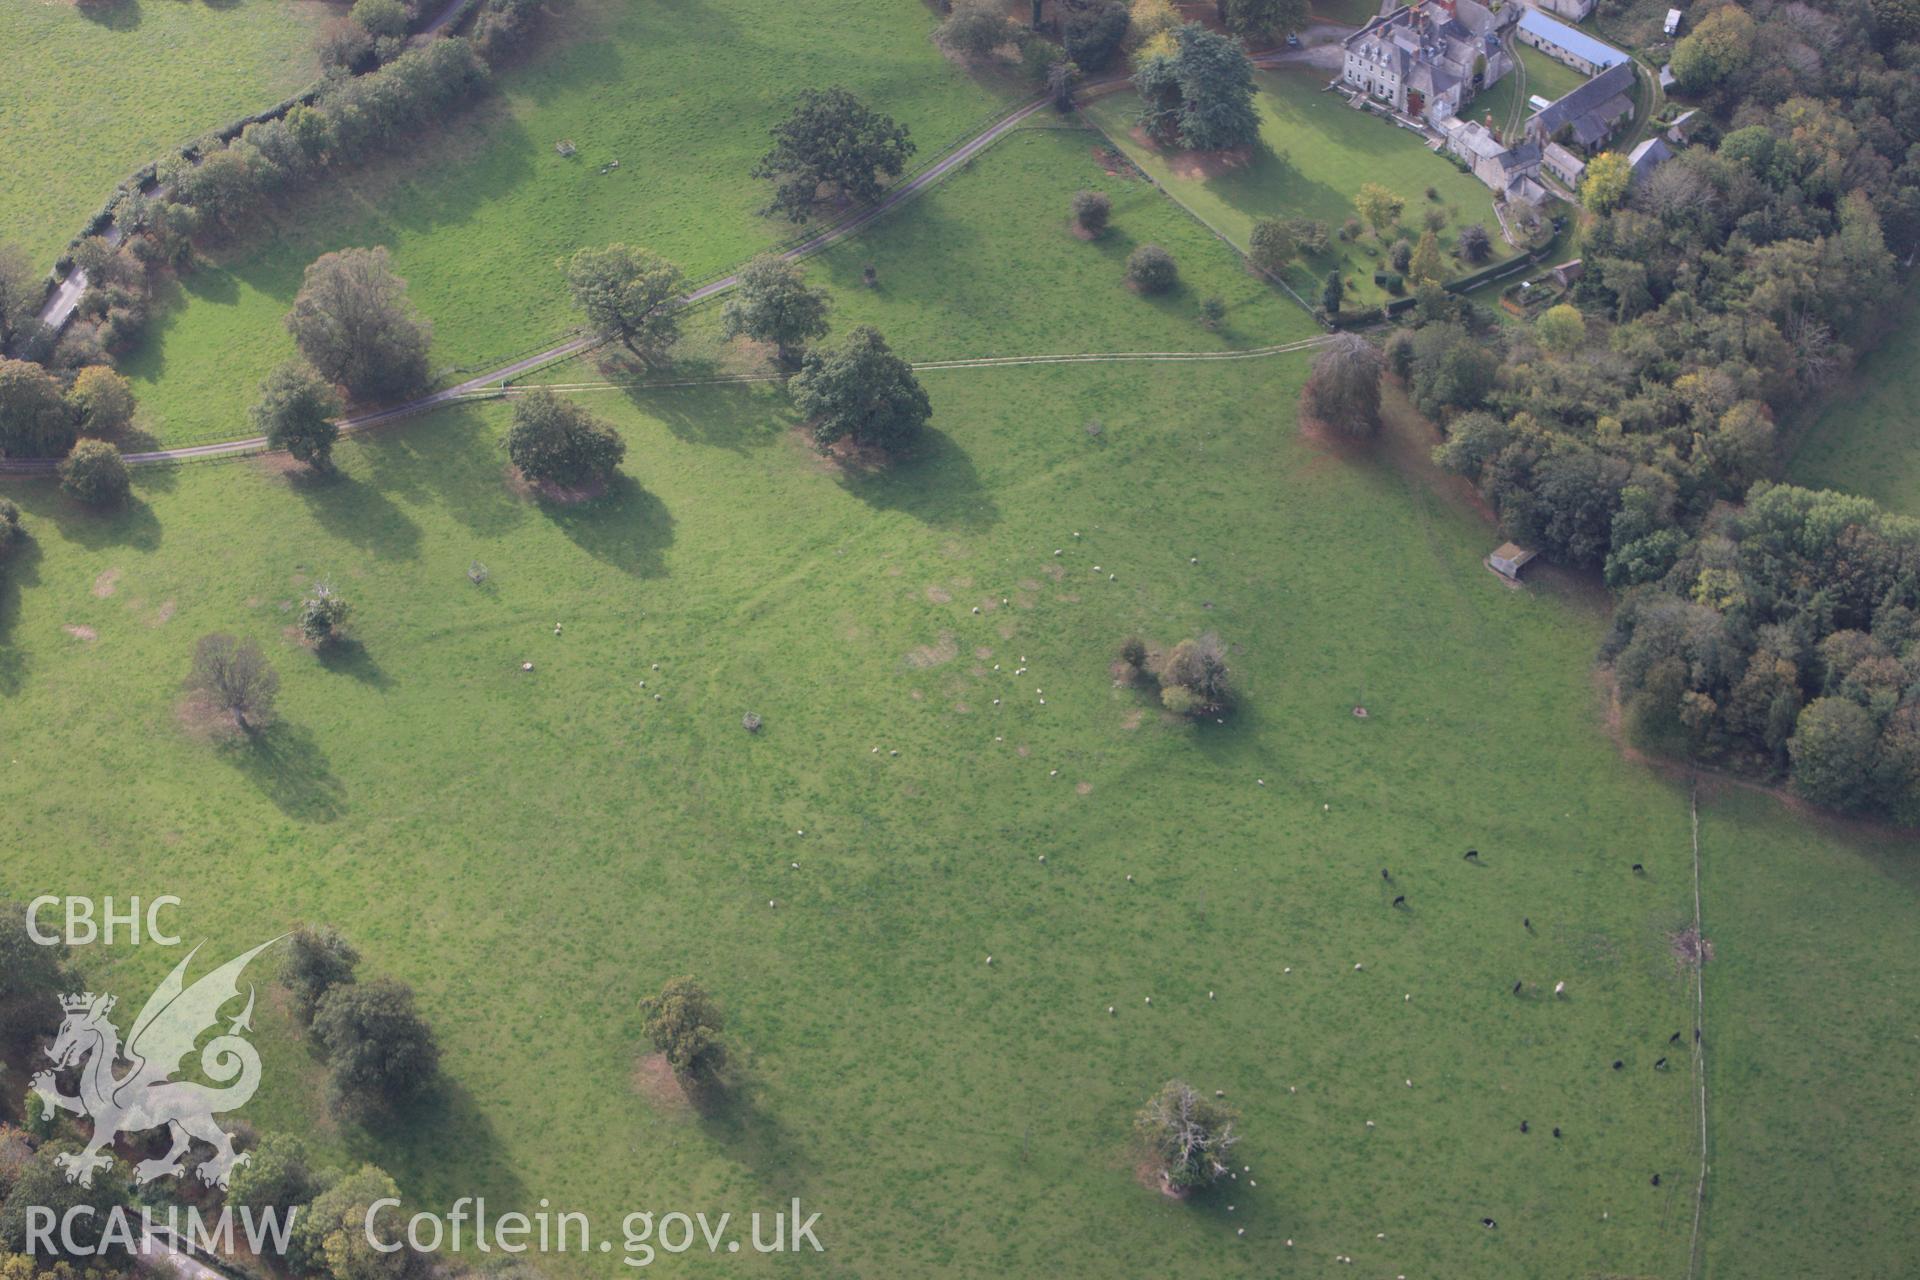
(84, 924)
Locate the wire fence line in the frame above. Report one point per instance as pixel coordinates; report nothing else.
(1694, 1247)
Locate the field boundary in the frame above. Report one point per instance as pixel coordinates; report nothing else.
(1699, 1034)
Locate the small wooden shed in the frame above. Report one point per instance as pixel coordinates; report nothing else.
(1509, 559)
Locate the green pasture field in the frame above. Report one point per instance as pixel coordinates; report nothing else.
(1316, 154)
(476, 215)
(536, 851)
(89, 99)
(1811, 1041)
(1862, 441)
(957, 272)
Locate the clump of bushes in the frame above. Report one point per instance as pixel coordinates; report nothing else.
(1151, 269)
(381, 1054)
(1091, 210)
(1187, 1138)
(685, 1025)
(1475, 246)
(322, 614)
(1192, 676)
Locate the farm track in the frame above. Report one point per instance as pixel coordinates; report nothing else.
(493, 382)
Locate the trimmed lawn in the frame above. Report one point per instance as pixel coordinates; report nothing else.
(1543, 76)
(1316, 153)
(476, 216)
(1863, 441)
(90, 99)
(1355, 13)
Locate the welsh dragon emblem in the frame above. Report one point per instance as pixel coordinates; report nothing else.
(143, 1095)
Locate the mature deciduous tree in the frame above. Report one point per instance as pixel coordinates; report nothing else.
(1199, 666)
(1152, 269)
(35, 420)
(295, 412)
(235, 679)
(1561, 329)
(1424, 264)
(44, 1187)
(10, 532)
(555, 441)
(102, 400)
(1833, 751)
(774, 303)
(1475, 245)
(277, 1175)
(1608, 179)
(94, 473)
(1272, 245)
(32, 977)
(861, 391)
(831, 142)
(331, 1239)
(1719, 45)
(323, 613)
(1380, 207)
(974, 29)
(628, 294)
(1343, 391)
(317, 961)
(353, 322)
(1091, 210)
(21, 290)
(1262, 21)
(380, 1052)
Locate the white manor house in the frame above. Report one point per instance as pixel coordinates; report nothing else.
(1428, 61)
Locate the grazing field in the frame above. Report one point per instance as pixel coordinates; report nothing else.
(475, 217)
(1814, 1051)
(89, 99)
(950, 268)
(535, 851)
(1863, 440)
(1316, 154)
(948, 768)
